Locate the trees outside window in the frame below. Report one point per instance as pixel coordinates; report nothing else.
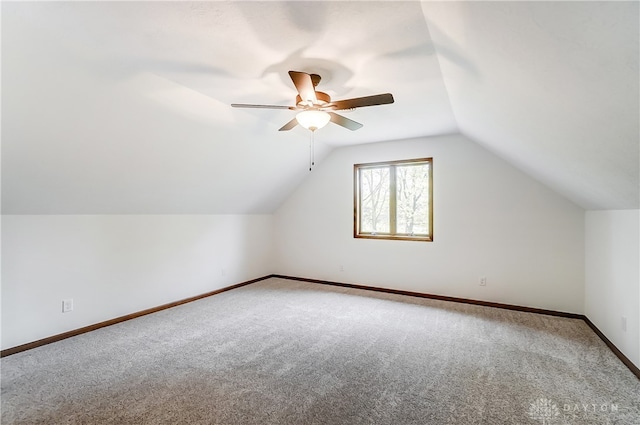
(393, 200)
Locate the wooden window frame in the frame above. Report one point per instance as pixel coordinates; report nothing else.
(392, 235)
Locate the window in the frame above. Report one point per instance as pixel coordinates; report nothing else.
(394, 200)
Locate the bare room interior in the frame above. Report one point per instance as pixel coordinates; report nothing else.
(179, 245)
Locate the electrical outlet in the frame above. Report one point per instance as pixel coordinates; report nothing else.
(67, 305)
(223, 272)
(341, 268)
(483, 281)
(623, 324)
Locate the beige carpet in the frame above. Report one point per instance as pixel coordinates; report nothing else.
(287, 352)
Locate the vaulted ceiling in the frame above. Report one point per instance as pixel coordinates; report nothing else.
(124, 107)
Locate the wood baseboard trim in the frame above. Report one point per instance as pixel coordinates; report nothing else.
(438, 297)
(28, 346)
(75, 332)
(624, 359)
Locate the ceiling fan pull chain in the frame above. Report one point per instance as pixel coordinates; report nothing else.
(313, 148)
(311, 151)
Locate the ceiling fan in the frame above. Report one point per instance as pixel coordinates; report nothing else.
(316, 107)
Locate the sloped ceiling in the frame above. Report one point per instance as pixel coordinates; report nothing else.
(123, 107)
(550, 86)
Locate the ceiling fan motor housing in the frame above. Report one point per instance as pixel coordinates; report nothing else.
(322, 97)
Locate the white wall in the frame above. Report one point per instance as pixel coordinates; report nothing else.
(612, 288)
(113, 265)
(490, 220)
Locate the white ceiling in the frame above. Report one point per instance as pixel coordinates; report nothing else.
(550, 86)
(123, 107)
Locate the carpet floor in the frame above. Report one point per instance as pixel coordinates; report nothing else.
(287, 352)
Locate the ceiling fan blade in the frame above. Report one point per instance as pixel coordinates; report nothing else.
(289, 125)
(344, 121)
(359, 102)
(304, 85)
(247, 105)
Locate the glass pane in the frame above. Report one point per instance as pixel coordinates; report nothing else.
(374, 200)
(412, 199)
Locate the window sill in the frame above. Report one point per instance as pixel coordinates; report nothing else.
(395, 237)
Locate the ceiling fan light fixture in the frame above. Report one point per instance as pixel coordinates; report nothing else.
(313, 120)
